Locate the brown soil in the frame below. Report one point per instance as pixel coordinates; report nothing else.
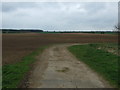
(16, 46)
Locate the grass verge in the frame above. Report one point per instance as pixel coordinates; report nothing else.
(101, 61)
(12, 74)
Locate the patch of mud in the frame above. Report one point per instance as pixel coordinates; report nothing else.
(64, 69)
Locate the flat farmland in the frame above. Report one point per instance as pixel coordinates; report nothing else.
(16, 46)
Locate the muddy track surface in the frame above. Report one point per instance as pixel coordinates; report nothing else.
(58, 68)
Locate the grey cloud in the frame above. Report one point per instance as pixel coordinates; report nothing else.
(59, 16)
(11, 6)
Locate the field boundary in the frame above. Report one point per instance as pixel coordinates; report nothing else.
(83, 55)
(17, 72)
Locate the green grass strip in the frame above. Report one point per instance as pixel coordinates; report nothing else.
(12, 74)
(103, 62)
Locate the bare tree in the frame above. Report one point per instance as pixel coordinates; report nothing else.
(116, 28)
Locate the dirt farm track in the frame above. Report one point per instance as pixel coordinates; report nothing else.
(16, 46)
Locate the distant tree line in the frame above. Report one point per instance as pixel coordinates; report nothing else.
(20, 30)
(39, 31)
(99, 32)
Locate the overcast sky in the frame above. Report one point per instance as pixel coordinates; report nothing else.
(60, 16)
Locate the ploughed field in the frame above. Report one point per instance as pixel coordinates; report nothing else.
(16, 46)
